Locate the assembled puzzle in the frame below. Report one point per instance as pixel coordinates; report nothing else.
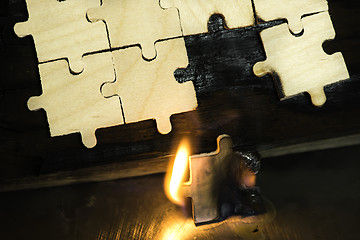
(112, 62)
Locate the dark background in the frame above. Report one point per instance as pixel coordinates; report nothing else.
(315, 194)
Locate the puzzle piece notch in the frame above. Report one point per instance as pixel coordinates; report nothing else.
(207, 171)
(137, 22)
(74, 103)
(300, 62)
(292, 10)
(194, 15)
(149, 90)
(63, 36)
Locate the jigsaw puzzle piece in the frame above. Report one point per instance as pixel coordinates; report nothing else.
(148, 89)
(207, 171)
(74, 103)
(137, 22)
(300, 62)
(292, 10)
(194, 15)
(60, 30)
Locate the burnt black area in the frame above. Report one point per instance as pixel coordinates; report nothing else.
(231, 100)
(222, 59)
(240, 202)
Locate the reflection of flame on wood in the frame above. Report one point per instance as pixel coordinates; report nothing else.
(175, 175)
(176, 227)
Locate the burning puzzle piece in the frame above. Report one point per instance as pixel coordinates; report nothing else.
(148, 89)
(206, 172)
(222, 184)
(300, 62)
(194, 15)
(60, 30)
(137, 22)
(292, 10)
(74, 103)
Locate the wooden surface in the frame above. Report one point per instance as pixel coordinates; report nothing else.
(316, 196)
(148, 90)
(74, 103)
(291, 10)
(300, 62)
(137, 23)
(231, 100)
(62, 30)
(194, 15)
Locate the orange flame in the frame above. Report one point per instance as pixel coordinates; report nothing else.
(175, 175)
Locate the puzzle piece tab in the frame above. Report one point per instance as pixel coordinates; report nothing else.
(194, 15)
(207, 171)
(148, 89)
(141, 22)
(292, 10)
(60, 30)
(300, 62)
(74, 103)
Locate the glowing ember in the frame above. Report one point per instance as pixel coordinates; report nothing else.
(177, 173)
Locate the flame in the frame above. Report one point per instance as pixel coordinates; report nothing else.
(176, 173)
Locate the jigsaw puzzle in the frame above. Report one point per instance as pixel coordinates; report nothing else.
(74, 103)
(62, 30)
(137, 22)
(300, 62)
(145, 79)
(194, 15)
(292, 10)
(148, 89)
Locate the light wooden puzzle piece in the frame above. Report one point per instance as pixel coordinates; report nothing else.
(207, 171)
(300, 62)
(141, 22)
(60, 30)
(74, 103)
(292, 10)
(148, 89)
(194, 15)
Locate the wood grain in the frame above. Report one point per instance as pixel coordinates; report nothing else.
(60, 30)
(137, 23)
(292, 11)
(149, 90)
(194, 15)
(300, 62)
(74, 103)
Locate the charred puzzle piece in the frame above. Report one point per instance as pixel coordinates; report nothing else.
(222, 184)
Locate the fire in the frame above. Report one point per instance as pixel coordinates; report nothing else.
(176, 174)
